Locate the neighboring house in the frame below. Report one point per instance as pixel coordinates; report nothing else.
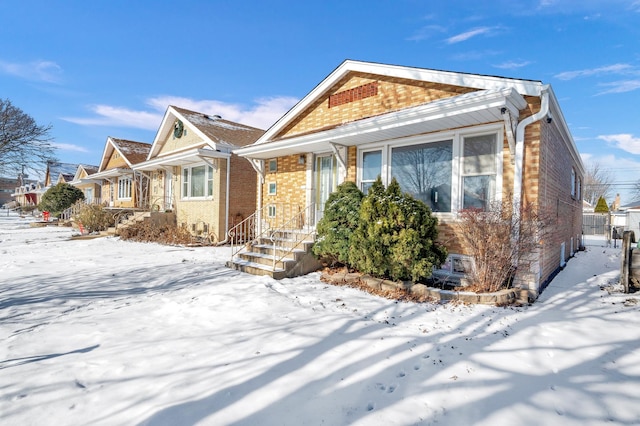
(194, 174)
(90, 187)
(121, 186)
(453, 140)
(628, 218)
(8, 188)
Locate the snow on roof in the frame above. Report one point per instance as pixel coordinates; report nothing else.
(135, 152)
(219, 130)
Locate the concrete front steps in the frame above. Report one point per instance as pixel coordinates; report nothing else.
(293, 256)
(136, 217)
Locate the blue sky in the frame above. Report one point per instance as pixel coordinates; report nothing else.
(102, 68)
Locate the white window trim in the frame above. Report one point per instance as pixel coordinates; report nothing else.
(457, 136)
(208, 169)
(271, 161)
(130, 185)
(275, 188)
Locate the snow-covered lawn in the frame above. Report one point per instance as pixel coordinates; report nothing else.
(108, 332)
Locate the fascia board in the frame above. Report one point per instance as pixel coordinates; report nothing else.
(524, 87)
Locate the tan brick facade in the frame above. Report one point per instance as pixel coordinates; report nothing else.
(394, 94)
(546, 178)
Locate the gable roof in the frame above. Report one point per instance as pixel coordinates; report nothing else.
(496, 92)
(476, 81)
(56, 169)
(89, 169)
(131, 152)
(217, 133)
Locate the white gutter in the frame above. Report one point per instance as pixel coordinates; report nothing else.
(519, 160)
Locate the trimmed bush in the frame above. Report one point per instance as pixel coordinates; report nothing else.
(60, 197)
(340, 219)
(396, 236)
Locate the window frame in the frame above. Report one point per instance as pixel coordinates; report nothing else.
(125, 185)
(457, 137)
(270, 186)
(274, 162)
(187, 182)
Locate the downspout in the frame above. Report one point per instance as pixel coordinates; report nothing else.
(226, 208)
(519, 160)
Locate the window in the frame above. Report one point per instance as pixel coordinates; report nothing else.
(449, 171)
(273, 166)
(478, 171)
(272, 188)
(271, 210)
(573, 183)
(424, 171)
(124, 188)
(197, 182)
(371, 167)
(579, 189)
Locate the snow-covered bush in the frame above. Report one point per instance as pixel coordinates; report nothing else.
(336, 227)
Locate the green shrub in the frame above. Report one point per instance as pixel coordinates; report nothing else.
(601, 206)
(60, 197)
(396, 236)
(94, 217)
(340, 219)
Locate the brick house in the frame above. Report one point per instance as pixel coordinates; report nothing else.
(193, 173)
(453, 140)
(90, 187)
(120, 185)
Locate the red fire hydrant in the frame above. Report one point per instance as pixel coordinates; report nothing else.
(45, 216)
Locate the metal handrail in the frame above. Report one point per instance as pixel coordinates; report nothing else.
(259, 224)
(293, 226)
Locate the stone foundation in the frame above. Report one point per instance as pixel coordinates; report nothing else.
(499, 298)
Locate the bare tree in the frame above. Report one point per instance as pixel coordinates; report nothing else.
(23, 143)
(597, 183)
(636, 190)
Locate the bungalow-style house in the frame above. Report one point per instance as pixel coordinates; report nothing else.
(121, 186)
(90, 187)
(194, 174)
(453, 140)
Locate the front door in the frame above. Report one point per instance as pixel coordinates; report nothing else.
(325, 181)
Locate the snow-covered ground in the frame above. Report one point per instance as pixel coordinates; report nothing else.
(108, 332)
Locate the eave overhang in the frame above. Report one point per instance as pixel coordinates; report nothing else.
(484, 106)
(181, 159)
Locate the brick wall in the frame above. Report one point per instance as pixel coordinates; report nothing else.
(393, 94)
(243, 188)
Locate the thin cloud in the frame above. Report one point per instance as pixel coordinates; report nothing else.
(69, 147)
(475, 55)
(46, 71)
(426, 32)
(107, 115)
(623, 141)
(262, 114)
(512, 65)
(609, 69)
(622, 86)
(470, 34)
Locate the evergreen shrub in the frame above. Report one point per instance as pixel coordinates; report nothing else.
(60, 197)
(338, 223)
(396, 236)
